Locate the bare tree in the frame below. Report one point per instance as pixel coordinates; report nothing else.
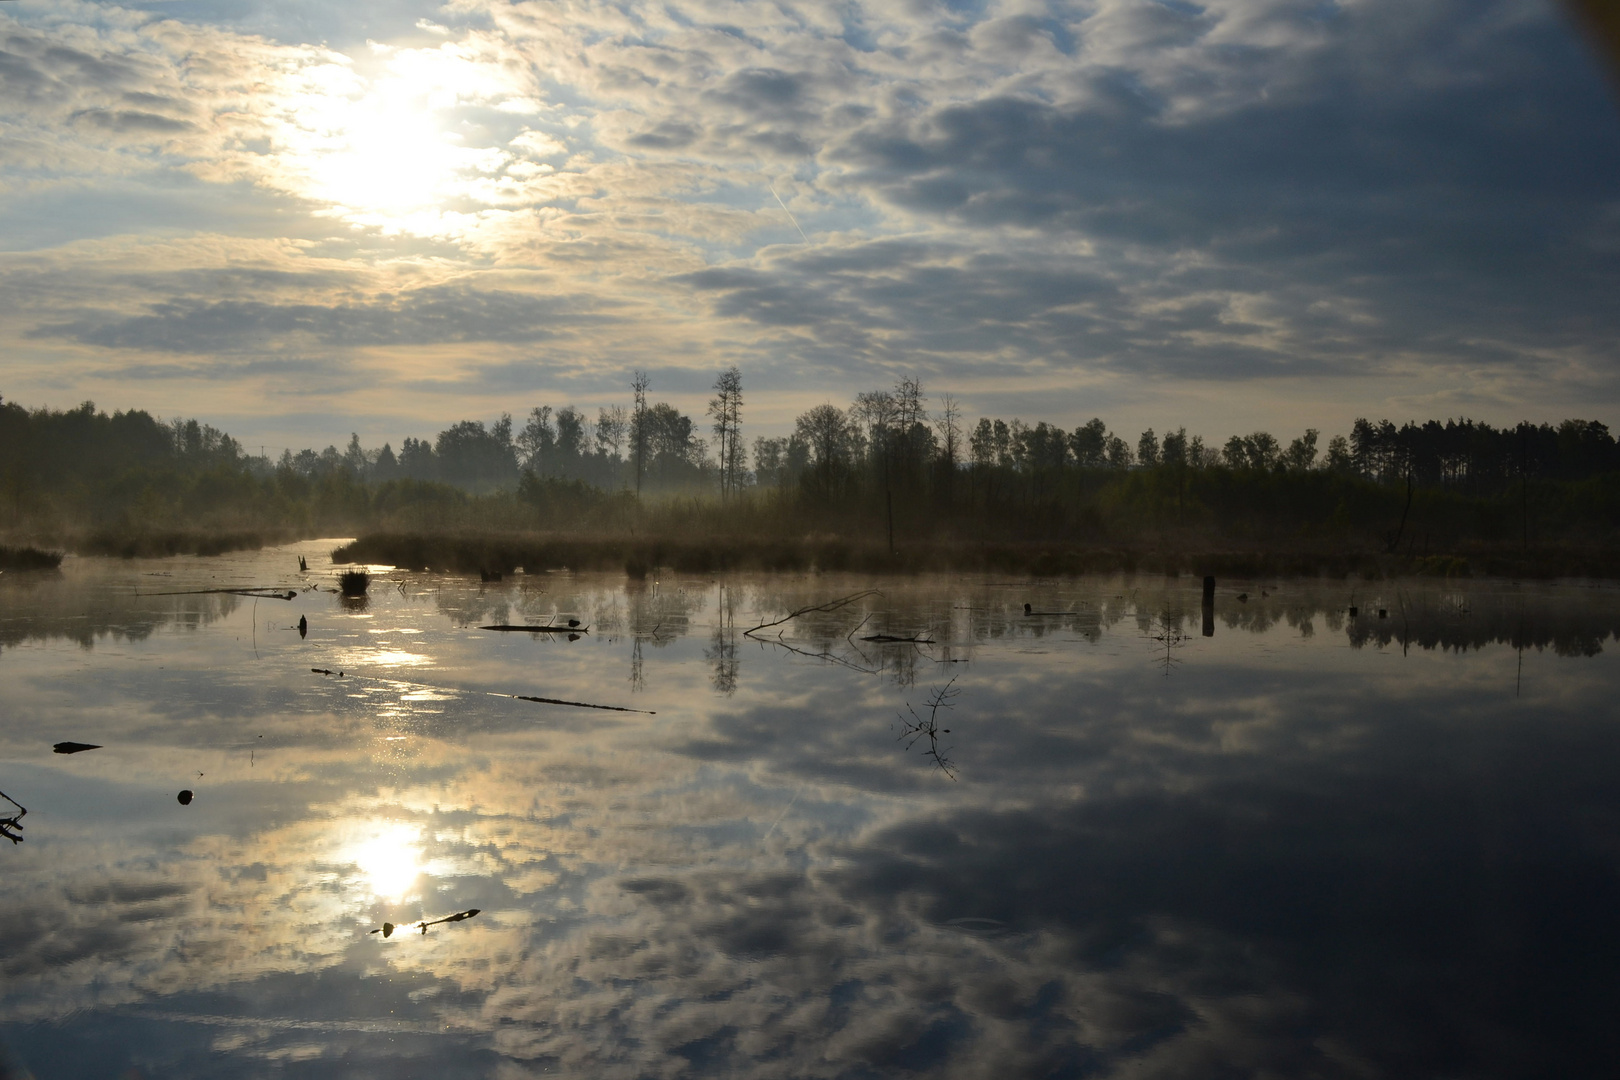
(909, 406)
(726, 408)
(949, 426)
(638, 424)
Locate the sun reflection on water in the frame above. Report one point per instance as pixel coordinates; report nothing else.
(389, 858)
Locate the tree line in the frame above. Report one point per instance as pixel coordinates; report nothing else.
(890, 462)
(650, 447)
(884, 434)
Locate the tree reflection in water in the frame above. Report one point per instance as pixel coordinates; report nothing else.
(1307, 854)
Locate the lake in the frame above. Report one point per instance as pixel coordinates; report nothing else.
(1113, 836)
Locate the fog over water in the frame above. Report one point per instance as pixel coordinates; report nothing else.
(1306, 844)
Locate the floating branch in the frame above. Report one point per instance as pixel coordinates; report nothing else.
(457, 917)
(890, 639)
(268, 592)
(575, 704)
(387, 929)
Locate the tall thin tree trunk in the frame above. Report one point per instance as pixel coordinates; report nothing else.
(888, 497)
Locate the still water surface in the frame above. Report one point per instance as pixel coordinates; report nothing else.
(1304, 845)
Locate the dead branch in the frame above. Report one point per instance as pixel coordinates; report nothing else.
(831, 605)
(831, 658)
(11, 826)
(917, 728)
(387, 929)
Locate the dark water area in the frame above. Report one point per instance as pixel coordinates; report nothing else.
(1120, 835)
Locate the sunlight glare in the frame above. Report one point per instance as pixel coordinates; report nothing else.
(389, 860)
(381, 149)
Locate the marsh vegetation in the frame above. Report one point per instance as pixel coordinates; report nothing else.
(886, 484)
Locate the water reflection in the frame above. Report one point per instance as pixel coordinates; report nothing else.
(388, 858)
(1325, 846)
(87, 608)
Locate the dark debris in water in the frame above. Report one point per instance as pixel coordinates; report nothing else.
(74, 747)
(387, 929)
(571, 625)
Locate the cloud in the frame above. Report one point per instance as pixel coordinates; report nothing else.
(1023, 202)
(429, 316)
(1215, 873)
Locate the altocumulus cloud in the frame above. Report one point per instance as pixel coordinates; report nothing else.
(1399, 199)
(434, 315)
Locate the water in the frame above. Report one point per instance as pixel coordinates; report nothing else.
(1307, 845)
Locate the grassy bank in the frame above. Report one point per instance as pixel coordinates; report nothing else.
(28, 558)
(640, 556)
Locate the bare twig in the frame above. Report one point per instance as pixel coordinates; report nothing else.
(11, 826)
(850, 637)
(831, 605)
(1169, 637)
(917, 728)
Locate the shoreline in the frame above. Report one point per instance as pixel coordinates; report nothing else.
(637, 557)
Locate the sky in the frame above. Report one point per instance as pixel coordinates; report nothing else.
(298, 219)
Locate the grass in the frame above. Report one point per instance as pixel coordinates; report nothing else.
(29, 558)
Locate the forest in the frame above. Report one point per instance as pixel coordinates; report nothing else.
(893, 480)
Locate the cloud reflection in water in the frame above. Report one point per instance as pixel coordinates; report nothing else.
(1317, 847)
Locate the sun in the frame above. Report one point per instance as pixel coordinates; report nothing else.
(383, 140)
(390, 157)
